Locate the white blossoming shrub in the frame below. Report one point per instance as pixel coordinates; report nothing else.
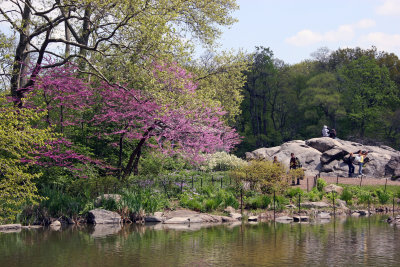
(222, 161)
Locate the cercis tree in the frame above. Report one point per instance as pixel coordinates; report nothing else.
(171, 115)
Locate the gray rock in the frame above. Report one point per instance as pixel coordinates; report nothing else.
(102, 230)
(323, 144)
(284, 218)
(101, 216)
(229, 209)
(177, 220)
(333, 188)
(55, 224)
(301, 218)
(392, 168)
(10, 228)
(324, 216)
(331, 155)
(236, 216)
(156, 217)
(253, 218)
(310, 205)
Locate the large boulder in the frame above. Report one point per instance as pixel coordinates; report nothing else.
(322, 144)
(100, 216)
(308, 156)
(393, 167)
(325, 155)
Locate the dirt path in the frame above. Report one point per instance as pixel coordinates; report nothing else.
(351, 181)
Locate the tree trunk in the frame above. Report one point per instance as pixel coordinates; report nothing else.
(20, 55)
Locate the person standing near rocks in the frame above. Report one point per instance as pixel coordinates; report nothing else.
(349, 160)
(360, 159)
(294, 164)
(325, 131)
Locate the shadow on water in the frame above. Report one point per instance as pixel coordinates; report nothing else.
(340, 242)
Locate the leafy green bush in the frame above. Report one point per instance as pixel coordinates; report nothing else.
(321, 184)
(383, 196)
(364, 197)
(222, 161)
(314, 195)
(293, 192)
(137, 199)
(258, 202)
(208, 200)
(347, 195)
(263, 175)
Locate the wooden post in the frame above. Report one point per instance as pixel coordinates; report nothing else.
(393, 206)
(308, 190)
(241, 201)
(299, 202)
(201, 182)
(385, 184)
(361, 180)
(221, 182)
(337, 179)
(181, 185)
(274, 206)
(192, 182)
(212, 179)
(333, 200)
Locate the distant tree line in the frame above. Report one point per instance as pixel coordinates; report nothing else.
(355, 91)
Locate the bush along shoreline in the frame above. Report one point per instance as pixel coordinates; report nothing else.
(223, 189)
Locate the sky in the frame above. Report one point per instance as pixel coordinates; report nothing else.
(293, 29)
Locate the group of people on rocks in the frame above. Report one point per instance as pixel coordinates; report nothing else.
(326, 132)
(359, 158)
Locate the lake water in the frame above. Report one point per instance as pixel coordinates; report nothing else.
(342, 242)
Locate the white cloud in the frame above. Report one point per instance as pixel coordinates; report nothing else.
(342, 33)
(383, 41)
(389, 8)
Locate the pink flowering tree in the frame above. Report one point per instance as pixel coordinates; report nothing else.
(171, 117)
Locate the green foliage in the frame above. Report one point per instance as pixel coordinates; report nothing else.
(137, 200)
(293, 192)
(208, 200)
(347, 195)
(321, 184)
(258, 202)
(263, 175)
(222, 161)
(383, 196)
(17, 187)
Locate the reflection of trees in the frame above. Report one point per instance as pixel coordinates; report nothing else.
(364, 241)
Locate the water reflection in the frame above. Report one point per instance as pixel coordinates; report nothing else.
(341, 242)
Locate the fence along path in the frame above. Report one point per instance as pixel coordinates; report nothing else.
(350, 181)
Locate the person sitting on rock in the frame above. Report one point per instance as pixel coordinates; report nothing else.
(325, 131)
(275, 160)
(332, 133)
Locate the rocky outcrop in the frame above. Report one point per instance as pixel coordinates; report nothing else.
(393, 167)
(333, 188)
(100, 216)
(325, 155)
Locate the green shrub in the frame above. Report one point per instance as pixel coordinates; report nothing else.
(222, 161)
(383, 196)
(347, 195)
(321, 184)
(263, 175)
(293, 192)
(364, 197)
(258, 202)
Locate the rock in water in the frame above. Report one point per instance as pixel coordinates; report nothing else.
(100, 216)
